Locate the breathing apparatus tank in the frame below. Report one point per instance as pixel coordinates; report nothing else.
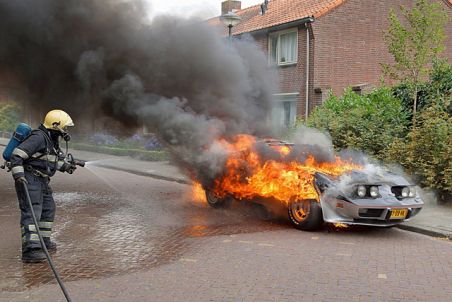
(22, 132)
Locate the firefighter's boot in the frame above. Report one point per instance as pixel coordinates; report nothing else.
(33, 255)
(50, 245)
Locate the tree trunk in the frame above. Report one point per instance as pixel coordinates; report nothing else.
(415, 102)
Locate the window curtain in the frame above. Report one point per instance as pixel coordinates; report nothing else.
(274, 49)
(288, 47)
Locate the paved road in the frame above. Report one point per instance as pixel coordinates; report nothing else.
(124, 237)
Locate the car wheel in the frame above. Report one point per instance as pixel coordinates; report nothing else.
(217, 202)
(305, 214)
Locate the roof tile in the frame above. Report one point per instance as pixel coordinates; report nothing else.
(279, 12)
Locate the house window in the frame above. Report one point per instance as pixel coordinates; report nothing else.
(283, 47)
(285, 111)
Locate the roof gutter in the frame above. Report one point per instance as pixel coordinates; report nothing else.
(280, 26)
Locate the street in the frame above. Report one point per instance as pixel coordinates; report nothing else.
(123, 237)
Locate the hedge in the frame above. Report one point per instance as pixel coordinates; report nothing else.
(367, 122)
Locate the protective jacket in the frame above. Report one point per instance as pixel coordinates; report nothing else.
(39, 153)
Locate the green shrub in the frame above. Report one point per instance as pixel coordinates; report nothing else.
(404, 92)
(10, 116)
(427, 149)
(368, 122)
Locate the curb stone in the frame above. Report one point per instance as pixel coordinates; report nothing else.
(424, 231)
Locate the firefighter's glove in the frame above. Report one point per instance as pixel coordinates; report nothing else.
(68, 167)
(21, 180)
(71, 169)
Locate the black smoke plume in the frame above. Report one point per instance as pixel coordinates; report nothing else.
(176, 76)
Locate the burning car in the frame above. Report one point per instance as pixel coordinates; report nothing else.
(358, 198)
(313, 192)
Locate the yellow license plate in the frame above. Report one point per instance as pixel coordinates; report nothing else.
(399, 214)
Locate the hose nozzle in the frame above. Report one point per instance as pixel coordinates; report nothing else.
(79, 162)
(75, 162)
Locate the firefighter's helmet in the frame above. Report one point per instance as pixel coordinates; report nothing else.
(58, 120)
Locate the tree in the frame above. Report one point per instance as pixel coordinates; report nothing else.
(414, 43)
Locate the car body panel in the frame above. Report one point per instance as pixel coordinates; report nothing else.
(340, 204)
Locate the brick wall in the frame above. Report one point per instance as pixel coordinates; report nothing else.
(349, 44)
(347, 48)
(292, 78)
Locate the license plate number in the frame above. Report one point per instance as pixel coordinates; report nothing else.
(399, 214)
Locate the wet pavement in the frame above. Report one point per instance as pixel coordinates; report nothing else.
(110, 224)
(125, 237)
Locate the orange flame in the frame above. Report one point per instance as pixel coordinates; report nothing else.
(340, 225)
(284, 150)
(197, 193)
(247, 176)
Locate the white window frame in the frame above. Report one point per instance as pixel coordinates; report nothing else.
(278, 34)
(280, 99)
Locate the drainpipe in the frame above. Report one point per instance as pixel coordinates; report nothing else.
(308, 49)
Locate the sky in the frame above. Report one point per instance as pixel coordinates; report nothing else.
(189, 8)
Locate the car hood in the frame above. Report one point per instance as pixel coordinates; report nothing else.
(344, 187)
(374, 178)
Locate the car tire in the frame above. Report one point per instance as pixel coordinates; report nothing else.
(305, 215)
(217, 202)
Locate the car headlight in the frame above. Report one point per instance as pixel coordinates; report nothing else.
(361, 191)
(374, 192)
(412, 192)
(405, 192)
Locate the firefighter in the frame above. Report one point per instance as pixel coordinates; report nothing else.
(33, 162)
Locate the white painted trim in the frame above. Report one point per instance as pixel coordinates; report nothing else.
(287, 94)
(284, 31)
(278, 35)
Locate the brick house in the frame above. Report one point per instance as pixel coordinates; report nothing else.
(344, 38)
